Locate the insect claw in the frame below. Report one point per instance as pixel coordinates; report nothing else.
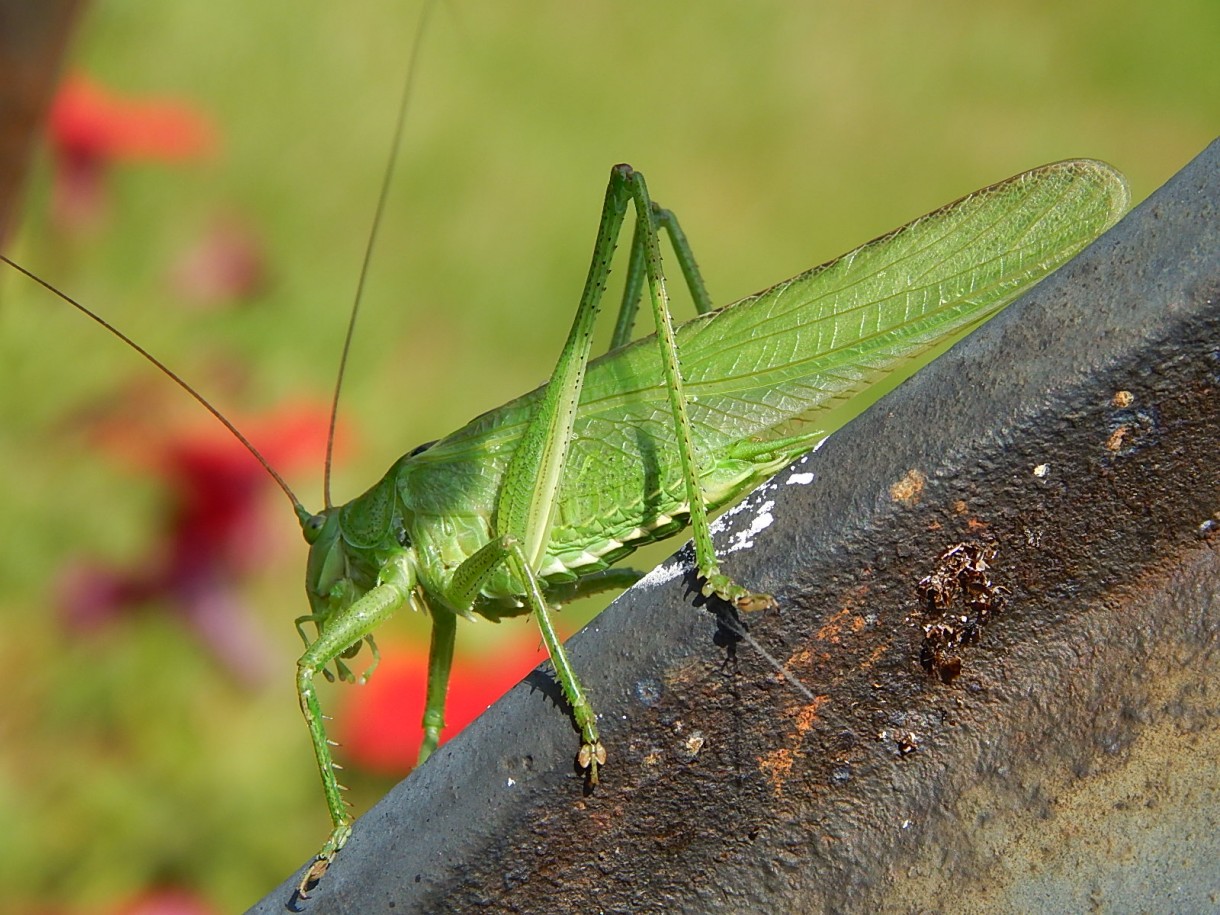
(751, 602)
(313, 876)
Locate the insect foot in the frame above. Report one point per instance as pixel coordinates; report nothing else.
(313, 876)
(590, 758)
(321, 863)
(755, 600)
(730, 592)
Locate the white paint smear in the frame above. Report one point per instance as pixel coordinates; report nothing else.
(666, 571)
(743, 540)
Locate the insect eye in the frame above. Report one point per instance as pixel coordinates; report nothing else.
(312, 526)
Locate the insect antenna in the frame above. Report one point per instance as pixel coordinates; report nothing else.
(386, 180)
(170, 373)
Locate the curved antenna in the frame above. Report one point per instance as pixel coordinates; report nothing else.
(374, 230)
(174, 376)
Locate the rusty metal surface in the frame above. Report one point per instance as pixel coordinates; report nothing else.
(1062, 756)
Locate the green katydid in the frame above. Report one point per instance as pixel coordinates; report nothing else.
(536, 500)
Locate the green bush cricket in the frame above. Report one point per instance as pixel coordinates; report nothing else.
(534, 502)
(531, 504)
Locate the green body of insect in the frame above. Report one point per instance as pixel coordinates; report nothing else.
(533, 502)
(530, 504)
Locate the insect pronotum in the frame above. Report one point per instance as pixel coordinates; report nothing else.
(541, 497)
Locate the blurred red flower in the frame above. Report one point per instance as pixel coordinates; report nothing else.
(91, 127)
(165, 901)
(214, 531)
(380, 724)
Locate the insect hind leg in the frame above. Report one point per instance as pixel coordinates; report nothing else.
(636, 272)
(715, 582)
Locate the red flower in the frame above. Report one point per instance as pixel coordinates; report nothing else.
(380, 725)
(91, 127)
(165, 901)
(214, 531)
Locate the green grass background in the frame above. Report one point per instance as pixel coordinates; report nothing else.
(781, 133)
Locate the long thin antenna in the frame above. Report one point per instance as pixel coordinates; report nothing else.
(174, 376)
(387, 178)
(735, 627)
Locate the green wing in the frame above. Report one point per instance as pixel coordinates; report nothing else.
(787, 365)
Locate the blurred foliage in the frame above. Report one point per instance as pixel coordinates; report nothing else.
(781, 133)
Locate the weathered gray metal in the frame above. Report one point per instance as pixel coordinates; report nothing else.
(1071, 761)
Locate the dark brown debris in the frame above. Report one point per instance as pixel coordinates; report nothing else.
(959, 598)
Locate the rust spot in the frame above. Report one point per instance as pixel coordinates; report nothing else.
(833, 627)
(805, 659)
(841, 622)
(874, 656)
(1123, 399)
(1115, 441)
(777, 764)
(961, 597)
(861, 594)
(800, 658)
(809, 714)
(909, 489)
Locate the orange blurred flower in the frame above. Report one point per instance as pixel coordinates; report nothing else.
(91, 128)
(380, 724)
(165, 901)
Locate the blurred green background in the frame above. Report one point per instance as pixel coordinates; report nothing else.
(781, 133)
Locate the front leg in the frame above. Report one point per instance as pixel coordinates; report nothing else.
(344, 628)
